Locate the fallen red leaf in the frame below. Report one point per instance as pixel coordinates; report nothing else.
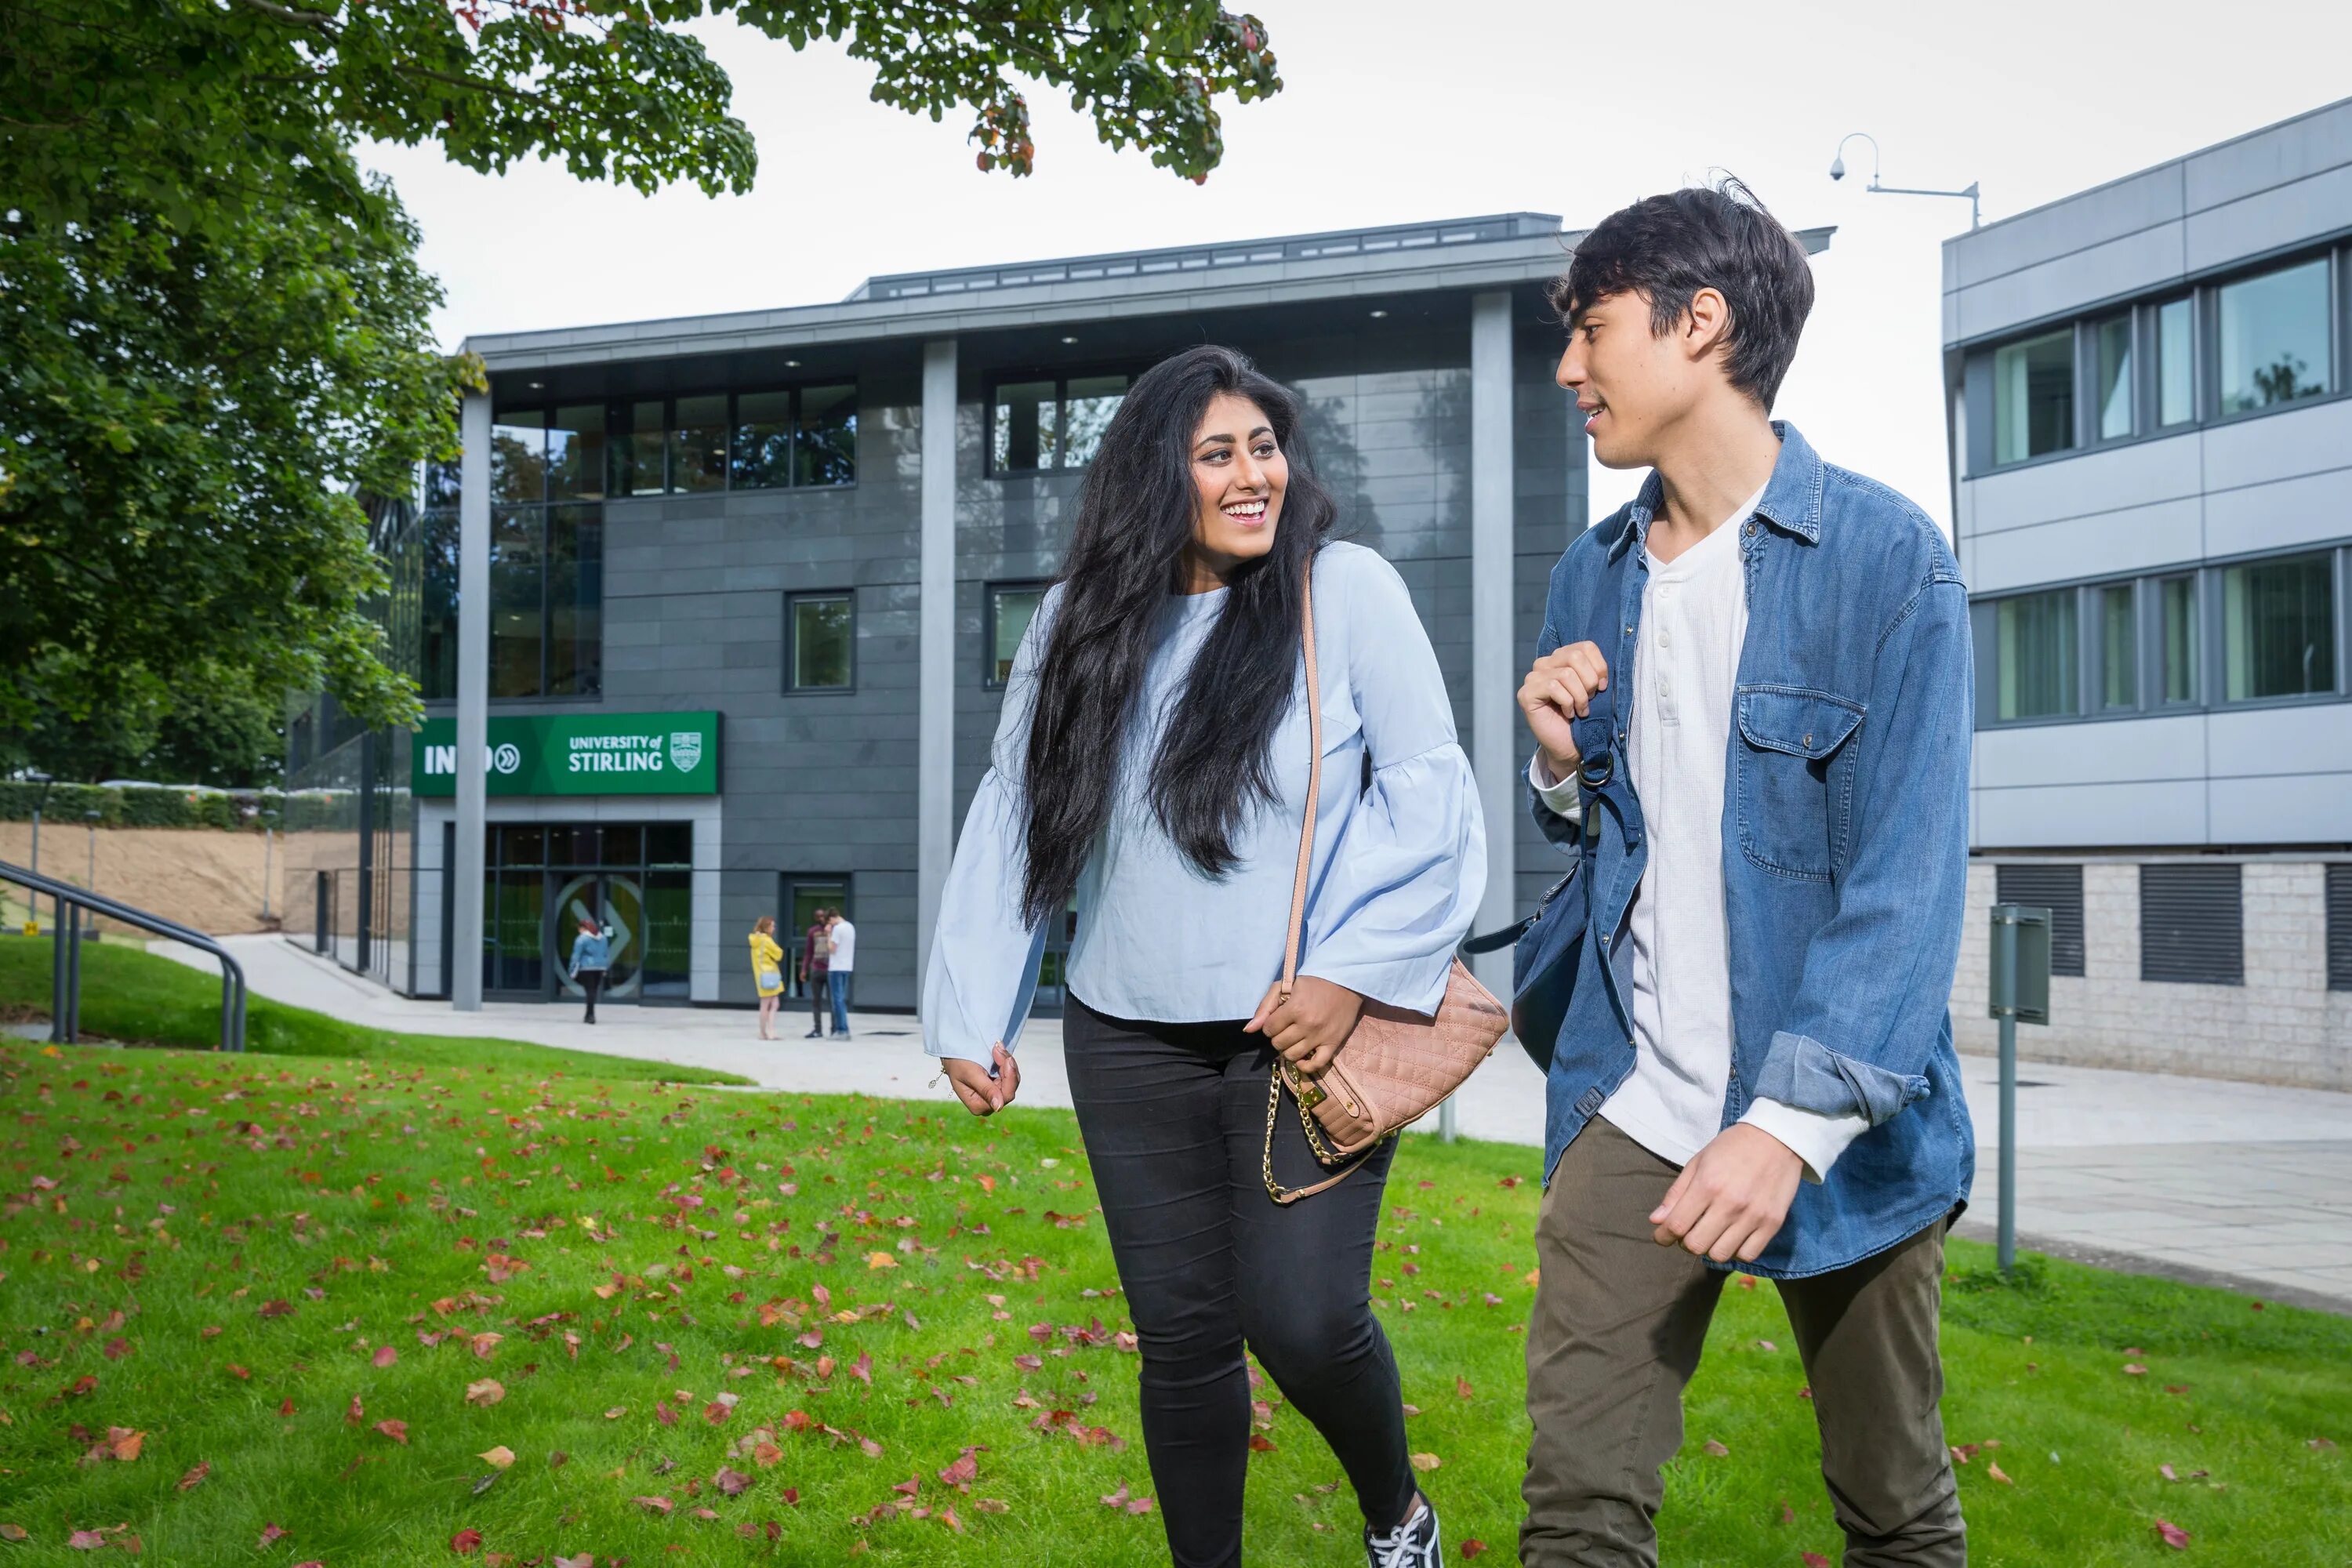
(84, 1540)
(862, 1369)
(1816, 1560)
(1472, 1547)
(195, 1475)
(467, 1541)
(396, 1430)
(270, 1533)
(356, 1415)
(653, 1504)
(732, 1482)
(385, 1355)
(2172, 1535)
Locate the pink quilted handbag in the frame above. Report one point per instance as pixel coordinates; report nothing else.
(1395, 1066)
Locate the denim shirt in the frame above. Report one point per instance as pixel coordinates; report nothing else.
(591, 952)
(1845, 843)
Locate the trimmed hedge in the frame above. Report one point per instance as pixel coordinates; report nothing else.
(234, 811)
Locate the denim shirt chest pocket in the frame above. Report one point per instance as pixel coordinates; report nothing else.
(1794, 763)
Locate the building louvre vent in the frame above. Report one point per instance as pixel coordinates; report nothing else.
(2193, 924)
(2059, 889)
(2339, 928)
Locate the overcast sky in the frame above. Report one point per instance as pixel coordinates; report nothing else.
(1396, 113)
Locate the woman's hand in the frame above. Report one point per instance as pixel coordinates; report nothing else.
(983, 1095)
(1309, 1028)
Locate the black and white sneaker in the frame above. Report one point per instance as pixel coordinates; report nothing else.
(1413, 1544)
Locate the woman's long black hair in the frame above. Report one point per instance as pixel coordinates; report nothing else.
(1126, 555)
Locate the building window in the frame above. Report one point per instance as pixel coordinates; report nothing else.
(821, 637)
(2059, 889)
(2176, 362)
(2118, 605)
(2278, 628)
(437, 660)
(2112, 342)
(2340, 927)
(1011, 608)
(575, 453)
(2033, 396)
(698, 443)
(547, 561)
(746, 441)
(824, 442)
(763, 440)
(2273, 332)
(2036, 650)
(2193, 924)
(639, 449)
(1046, 426)
(2177, 637)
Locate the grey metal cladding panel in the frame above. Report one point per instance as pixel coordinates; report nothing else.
(2112, 211)
(2088, 484)
(2279, 445)
(2168, 812)
(2137, 750)
(2274, 155)
(2271, 220)
(2168, 533)
(2133, 263)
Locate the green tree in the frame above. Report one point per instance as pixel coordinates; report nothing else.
(212, 330)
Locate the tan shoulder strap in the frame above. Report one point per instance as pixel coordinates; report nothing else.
(1313, 783)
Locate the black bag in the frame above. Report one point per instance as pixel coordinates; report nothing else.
(1546, 948)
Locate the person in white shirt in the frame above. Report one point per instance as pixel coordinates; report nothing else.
(1751, 707)
(841, 937)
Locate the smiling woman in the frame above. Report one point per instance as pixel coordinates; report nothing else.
(1153, 762)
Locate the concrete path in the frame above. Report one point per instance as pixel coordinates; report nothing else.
(2234, 1183)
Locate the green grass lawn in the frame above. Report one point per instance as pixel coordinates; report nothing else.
(309, 1295)
(132, 995)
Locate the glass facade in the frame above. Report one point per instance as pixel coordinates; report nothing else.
(2176, 362)
(2037, 655)
(2278, 628)
(635, 878)
(2177, 641)
(2113, 341)
(2273, 332)
(2118, 645)
(2033, 396)
(1046, 425)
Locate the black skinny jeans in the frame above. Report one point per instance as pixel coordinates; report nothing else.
(1174, 1116)
(591, 982)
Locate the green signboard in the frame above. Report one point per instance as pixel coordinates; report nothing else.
(577, 753)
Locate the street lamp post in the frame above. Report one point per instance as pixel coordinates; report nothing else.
(1837, 172)
(33, 900)
(89, 928)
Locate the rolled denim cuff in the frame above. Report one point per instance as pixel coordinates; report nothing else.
(1802, 1072)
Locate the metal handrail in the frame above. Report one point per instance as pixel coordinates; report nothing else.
(65, 1004)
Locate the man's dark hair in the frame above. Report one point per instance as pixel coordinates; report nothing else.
(1667, 249)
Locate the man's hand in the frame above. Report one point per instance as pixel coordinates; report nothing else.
(1309, 1028)
(983, 1095)
(1560, 685)
(1730, 1199)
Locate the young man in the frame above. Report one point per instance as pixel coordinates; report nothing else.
(1752, 705)
(814, 963)
(842, 965)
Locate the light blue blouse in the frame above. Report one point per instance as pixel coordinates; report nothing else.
(1397, 873)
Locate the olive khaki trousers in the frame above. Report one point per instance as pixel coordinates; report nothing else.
(1618, 1327)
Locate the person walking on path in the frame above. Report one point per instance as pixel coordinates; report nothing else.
(591, 954)
(841, 966)
(1752, 703)
(767, 973)
(1151, 758)
(813, 967)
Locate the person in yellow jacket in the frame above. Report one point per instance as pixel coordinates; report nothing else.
(767, 973)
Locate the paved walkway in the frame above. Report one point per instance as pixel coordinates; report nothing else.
(2226, 1182)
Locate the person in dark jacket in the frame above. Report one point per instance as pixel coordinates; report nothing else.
(815, 960)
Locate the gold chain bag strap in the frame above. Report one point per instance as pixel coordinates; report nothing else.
(1394, 1067)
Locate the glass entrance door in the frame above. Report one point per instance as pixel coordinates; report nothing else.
(804, 896)
(617, 903)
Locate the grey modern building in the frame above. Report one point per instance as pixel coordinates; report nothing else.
(2152, 446)
(754, 581)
